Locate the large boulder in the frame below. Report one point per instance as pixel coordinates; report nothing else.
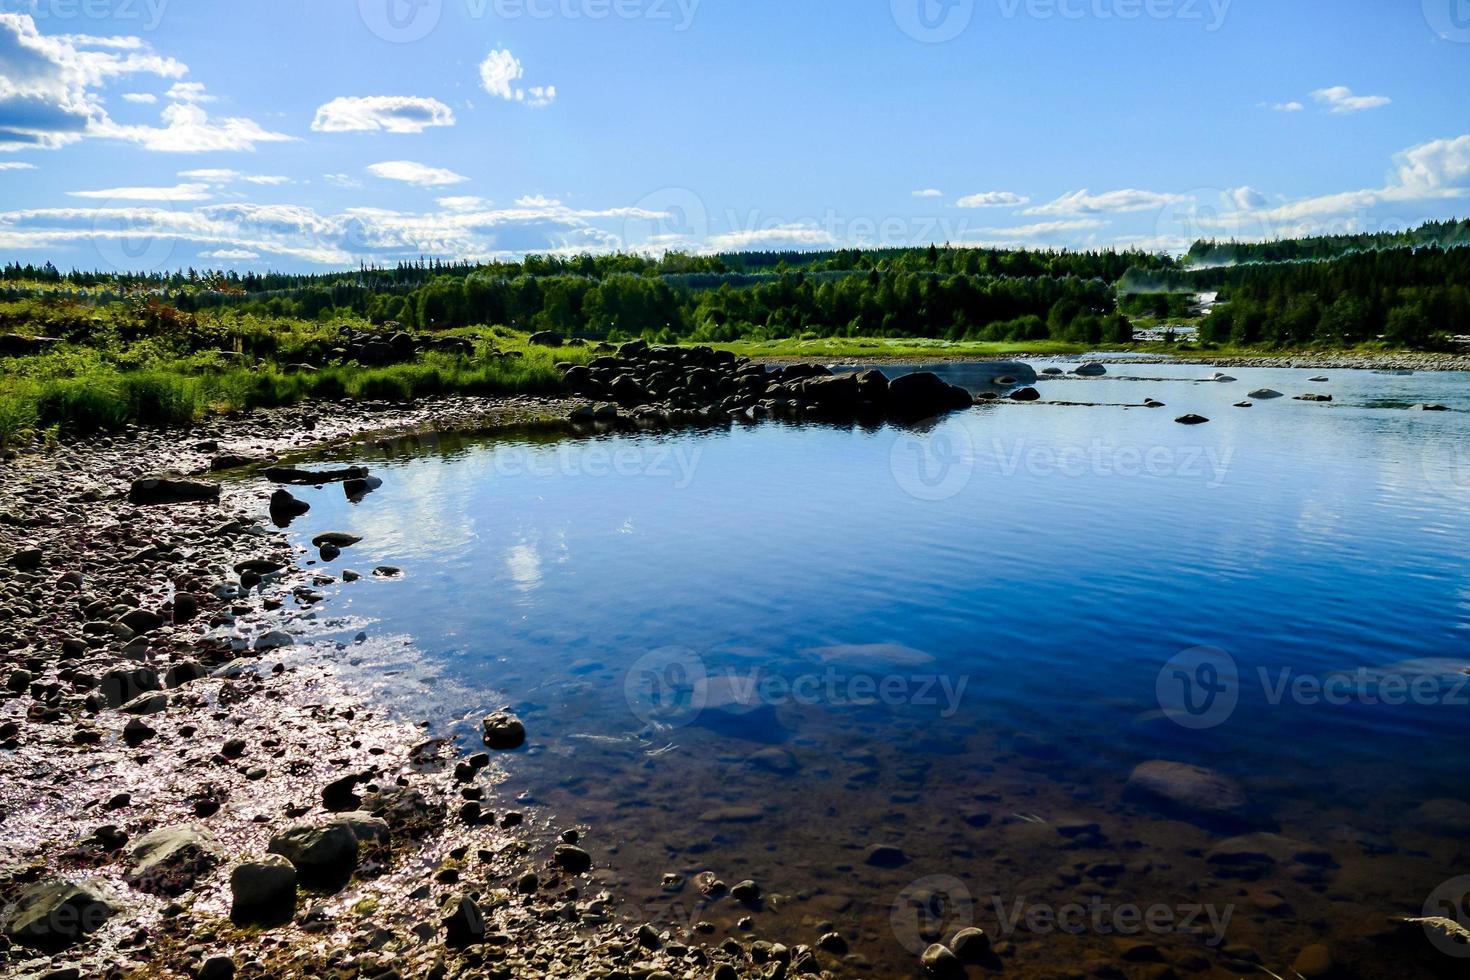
(170, 860)
(264, 890)
(320, 853)
(54, 914)
(837, 394)
(922, 395)
(166, 490)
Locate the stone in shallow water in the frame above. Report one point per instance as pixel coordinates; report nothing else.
(504, 731)
(1194, 792)
(732, 814)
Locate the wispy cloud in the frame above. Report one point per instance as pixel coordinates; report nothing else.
(1111, 202)
(929, 192)
(1340, 100)
(1042, 229)
(17, 166)
(179, 192)
(992, 199)
(1283, 106)
(381, 113)
(418, 174)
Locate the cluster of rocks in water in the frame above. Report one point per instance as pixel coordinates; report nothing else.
(692, 385)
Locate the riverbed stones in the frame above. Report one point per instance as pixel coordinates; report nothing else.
(504, 731)
(274, 640)
(1025, 395)
(1313, 963)
(1265, 394)
(1188, 791)
(170, 860)
(284, 508)
(326, 852)
(157, 491)
(313, 478)
(263, 890)
(884, 856)
(122, 684)
(1192, 420)
(970, 945)
(1092, 369)
(571, 859)
(54, 914)
(924, 395)
(462, 921)
(940, 961)
(337, 539)
(142, 620)
(1311, 397)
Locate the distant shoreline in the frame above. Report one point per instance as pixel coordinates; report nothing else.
(1334, 361)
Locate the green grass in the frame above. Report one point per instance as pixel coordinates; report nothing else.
(83, 390)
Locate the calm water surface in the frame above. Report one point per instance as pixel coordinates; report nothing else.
(759, 650)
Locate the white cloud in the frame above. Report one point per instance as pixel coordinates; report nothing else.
(17, 166)
(499, 73)
(1283, 106)
(415, 173)
(1112, 202)
(49, 98)
(929, 192)
(189, 129)
(346, 181)
(537, 201)
(231, 254)
(222, 176)
(140, 98)
(48, 84)
(179, 192)
(1340, 99)
(1247, 198)
(778, 236)
(189, 92)
(381, 113)
(464, 203)
(992, 199)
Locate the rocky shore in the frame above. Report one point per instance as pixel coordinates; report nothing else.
(176, 801)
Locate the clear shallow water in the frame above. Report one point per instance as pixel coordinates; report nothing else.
(759, 650)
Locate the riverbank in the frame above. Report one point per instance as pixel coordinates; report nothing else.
(159, 734)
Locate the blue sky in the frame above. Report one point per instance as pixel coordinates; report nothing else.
(314, 135)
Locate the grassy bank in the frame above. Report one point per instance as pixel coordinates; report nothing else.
(79, 390)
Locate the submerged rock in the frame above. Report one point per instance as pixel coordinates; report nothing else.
(1191, 420)
(1092, 369)
(1265, 394)
(1193, 792)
